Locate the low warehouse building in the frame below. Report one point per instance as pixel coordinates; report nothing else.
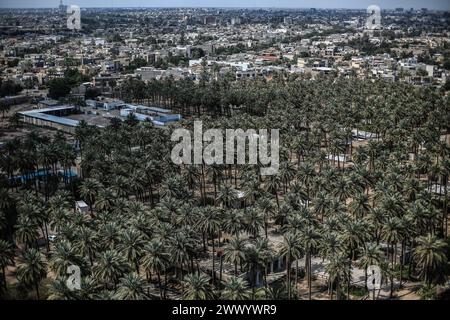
(51, 117)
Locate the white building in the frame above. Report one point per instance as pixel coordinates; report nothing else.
(81, 206)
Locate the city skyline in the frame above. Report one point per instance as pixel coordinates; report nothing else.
(322, 4)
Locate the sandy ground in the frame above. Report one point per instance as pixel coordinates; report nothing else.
(319, 285)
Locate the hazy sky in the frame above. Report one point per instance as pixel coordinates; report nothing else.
(387, 4)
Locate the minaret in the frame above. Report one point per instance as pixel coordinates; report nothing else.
(62, 7)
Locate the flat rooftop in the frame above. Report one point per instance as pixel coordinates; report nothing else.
(154, 109)
(50, 109)
(42, 115)
(55, 119)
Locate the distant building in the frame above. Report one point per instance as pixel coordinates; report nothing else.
(287, 20)
(235, 21)
(105, 104)
(48, 103)
(158, 116)
(62, 8)
(210, 20)
(52, 117)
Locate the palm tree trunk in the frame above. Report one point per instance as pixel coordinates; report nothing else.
(265, 228)
(338, 295)
(348, 284)
(265, 276)
(278, 201)
(401, 262)
(165, 284)
(309, 276)
(289, 277)
(213, 258)
(151, 195)
(204, 242)
(221, 268)
(203, 185)
(391, 293)
(36, 284)
(159, 284)
(136, 263)
(330, 285)
(365, 276)
(4, 277)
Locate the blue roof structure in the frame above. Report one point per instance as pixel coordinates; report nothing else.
(149, 109)
(169, 118)
(55, 119)
(157, 109)
(43, 173)
(43, 115)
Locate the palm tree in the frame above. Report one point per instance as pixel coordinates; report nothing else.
(254, 222)
(306, 175)
(342, 189)
(86, 243)
(233, 222)
(265, 206)
(273, 184)
(292, 250)
(253, 262)
(105, 199)
(6, 258)
(266, 255)
(83, 133)
(287, 173)
(330, 244)
(179, 252)
(58, 290)
(309, 239)
(32, 270)
(227, 196)
(155, 259)
(338, 271)
(27, 231)
(89, 190)
(192, 176)
(131, 287)
(391, 233)
(63, 257)
(430, 256)
(210, 225)
(359, 206)
(109, 268)
(196, 287)
(109, 235)
(321, 204)
(235, 289)
(234, 252)
(131, 246)
(89, 288)
(371, 256)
